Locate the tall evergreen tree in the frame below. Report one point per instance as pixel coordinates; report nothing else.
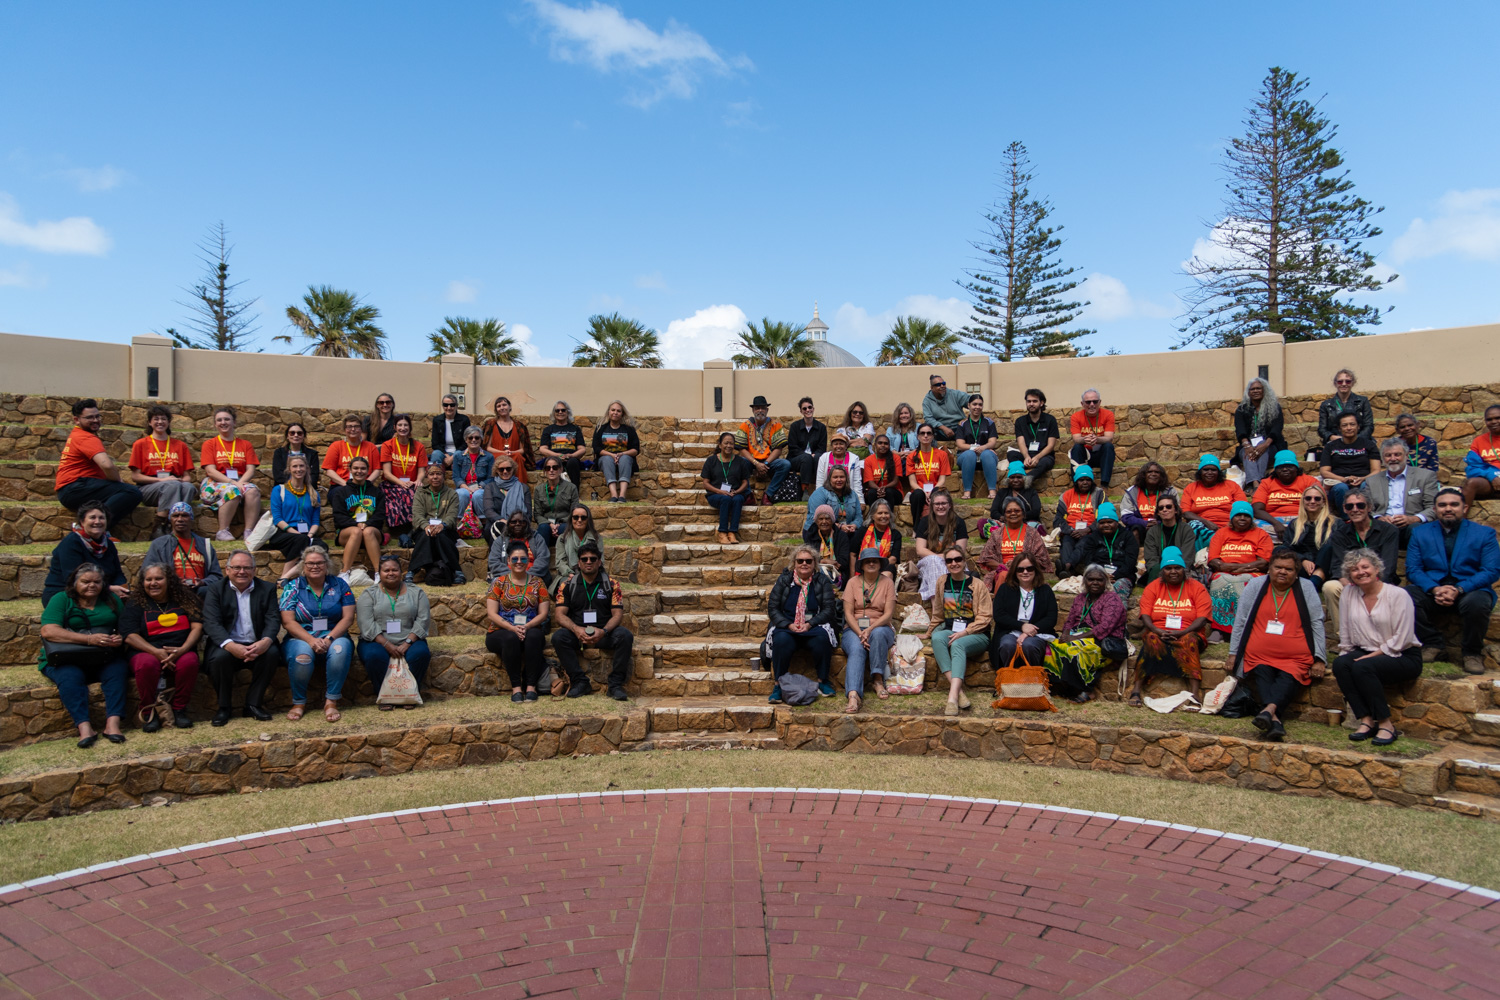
(1291, 242)
(218, 322)
(1019, 288)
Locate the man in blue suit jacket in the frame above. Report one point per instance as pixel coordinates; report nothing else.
(1451, 566)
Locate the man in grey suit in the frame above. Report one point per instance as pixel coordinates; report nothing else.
(1401, 495)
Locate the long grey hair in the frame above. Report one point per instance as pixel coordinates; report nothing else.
(1270, 406)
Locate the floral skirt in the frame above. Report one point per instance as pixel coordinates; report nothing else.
(1224, 591)
(215, 494)
(1176, 658)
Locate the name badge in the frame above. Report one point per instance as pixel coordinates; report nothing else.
(591, 617)
(393, 626)
(1080, 525)
(1256, 440)
(302, 527)
(232, 475)
(320, 624)
(163, 474)
(436, 522)
(863, 622)
(361, 517)
(927, 488)
(959, 624)
(1275, 627)
(1174, 622)
(1036, 446)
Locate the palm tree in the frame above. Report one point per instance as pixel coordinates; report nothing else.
(617, 342)
(484, 340)
(338, 324)
(775, 345)
(917, 341)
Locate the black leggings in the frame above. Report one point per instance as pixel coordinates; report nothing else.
(523, 661)
(890, 494)
(1363, 681)
(1273, 687)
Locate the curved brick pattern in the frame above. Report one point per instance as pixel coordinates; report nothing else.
(748, 894)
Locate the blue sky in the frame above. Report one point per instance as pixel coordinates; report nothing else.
(690, 165)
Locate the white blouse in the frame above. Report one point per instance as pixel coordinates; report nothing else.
(1388, 629)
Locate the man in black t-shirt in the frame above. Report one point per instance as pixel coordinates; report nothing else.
(1036, 438)
(588, 610)
(1347, 461)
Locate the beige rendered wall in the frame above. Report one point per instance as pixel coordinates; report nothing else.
(1171, 376)
(833, 389)
(289, 380)
(56, 367)
(655, 392)
(1459, 355)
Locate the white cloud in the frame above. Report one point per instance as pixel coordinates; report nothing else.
(94, 179)
(76, 234)
(1217, 248)
(600, 36)
(703, 336)
(859, 331)
(1109, 299)
(20, 278)
(462, 291)
(1467, 224)
(530, 352)
(653, 281)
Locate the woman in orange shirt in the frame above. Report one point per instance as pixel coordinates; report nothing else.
(1206, 501)
(228, 466)
(927, 468)
(1174, 614)
(1236, 555)
(402, 459)
(505, 435)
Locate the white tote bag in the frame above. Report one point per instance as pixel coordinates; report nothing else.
(400, 687)
(261, 533)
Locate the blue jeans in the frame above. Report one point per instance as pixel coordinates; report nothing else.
(73, 687)
(377, 661)
(877, 656)
(616, 468)
(464, 496)
(729, 509)
(301, 660)
(780, 469)
(968, 460)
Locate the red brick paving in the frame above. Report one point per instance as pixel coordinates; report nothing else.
(742, 895)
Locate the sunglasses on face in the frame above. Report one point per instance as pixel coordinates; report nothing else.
(1343, 381)
(580, 517)
(1090, 402)
(807, 407)
(559, 411)
(1312, 498)
(517, 558)
(925, 434)
(588, 559)
(803, 561)
(954, 562)
(296, 434)
(940, 385)
(386, 402)
(1355, 506)
(554, 468)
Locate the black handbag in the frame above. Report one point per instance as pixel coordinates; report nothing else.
(77, 654)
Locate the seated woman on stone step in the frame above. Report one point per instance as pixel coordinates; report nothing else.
(1171, 530)
(1025, 610)
(1311, 530)
(880, 474)
(552, 499)
(580, 531)
(88, 542)
(191, 556)
(1093, 637)
(162, 622)
(1207, 499)
(84, 617)
(1009, 538)
(294, 446)
(472, 468)
(229, 465)
(1114, 547)
(504, 496)
(1257, 428)
(839, 496)
(563, 440)
(726, 479)
(960, 624)
(1077, 509)
(858, 429)
(1278, 643)
(927, 469)
(1238, 554)
(869, 606)
(358, 516)
(1138, 505)
(517, 607)
(941, 530)
(506, 437)
(518, 529)
(296, 512)
(838, 456)
(1378, 645)
(617, 450)
(1015, 486)
(902, 431)
(317, 612)
(395, 618)
(403, 461)
(162, 466)
(882, 535)
(803, 609)
(1174, 618)
(834, 547)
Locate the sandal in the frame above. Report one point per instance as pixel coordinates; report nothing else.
(296, 712)
(1364, 732)
(331, 711)
(854, 704)
(880, 691)
(1135, 701)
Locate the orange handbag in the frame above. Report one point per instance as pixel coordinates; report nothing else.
(1022, 688)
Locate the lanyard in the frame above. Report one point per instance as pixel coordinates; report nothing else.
(1006, 539)
(1109, 545)
(1034, 435)
(163, 455)
(867, 592)
(589, 592)
(1028, 601)
(234, 453)
(1178, 599)
(437, 499)
(1088, 610)
(928, 463)
(388, 597)
(956, 595)
(725, 467)
(406, 458)
(1276, 605)
(185, 554)
(973, 433)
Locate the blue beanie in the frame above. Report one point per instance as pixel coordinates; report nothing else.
(1082, 472)
(1285, 456)
(1172, 556)
(1015, 469)
(1107, 512)
(1241, 507)
(1209, 460)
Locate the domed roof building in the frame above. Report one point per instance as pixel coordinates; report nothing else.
(832, 354)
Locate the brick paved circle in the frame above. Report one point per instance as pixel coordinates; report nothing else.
(746, 894)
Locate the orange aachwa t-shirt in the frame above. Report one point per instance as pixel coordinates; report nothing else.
(1281, 499)
(1211, 504)
(1190, 600)
(1079, 506)
(77, 461)
(1236, 547)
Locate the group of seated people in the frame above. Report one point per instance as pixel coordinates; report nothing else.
(1206, 555)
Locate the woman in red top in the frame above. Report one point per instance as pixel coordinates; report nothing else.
(1077, 509)
(228, 466)
(882, 535)
(1278, 641)
(880, 476)
(1174, 613)
(402, 460)
(162, 467)
(1206, 501)
(927, 469)
(1236, 555)
(504, 435)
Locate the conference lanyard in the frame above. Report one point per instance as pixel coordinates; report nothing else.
(234, 453)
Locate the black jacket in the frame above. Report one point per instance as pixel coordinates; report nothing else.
(799, 439)
(842, 541)
(1126, 550)
(1383, 537)
(279, 460)
(439, 443)
(1007, 601)
(1243, 428)
(830, 607)
(221, 608)
(1329, 412)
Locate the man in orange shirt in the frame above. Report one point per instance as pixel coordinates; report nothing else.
(1093, 430)
(341, 453)
(1482, 463)
(1279, 496)
(86, 472)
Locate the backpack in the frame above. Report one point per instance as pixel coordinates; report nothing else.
(797, 689)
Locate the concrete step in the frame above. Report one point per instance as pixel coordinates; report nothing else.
(724, 714)
(722, 623)
(712, 740)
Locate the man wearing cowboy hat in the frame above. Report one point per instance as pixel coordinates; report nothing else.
(763, 443)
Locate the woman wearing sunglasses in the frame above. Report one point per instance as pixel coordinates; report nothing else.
(1310, 531)
(296, 446)
(516, 611)
(960, 625)
(802, 608)
(579, 532)
(449, 428)
(563, 441)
